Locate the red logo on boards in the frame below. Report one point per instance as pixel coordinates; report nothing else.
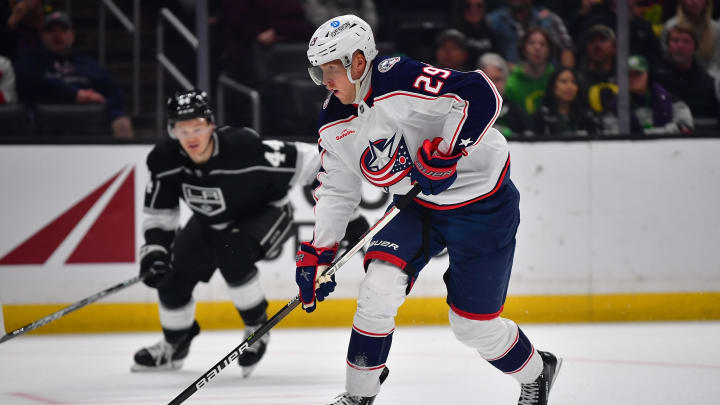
(110, 239)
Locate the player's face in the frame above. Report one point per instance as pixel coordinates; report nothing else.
(566, 87)
(195, 137)
(335, 79)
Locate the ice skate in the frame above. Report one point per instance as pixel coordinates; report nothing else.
(347, 399)
(249, 359)
(164, 356)
(537, 392)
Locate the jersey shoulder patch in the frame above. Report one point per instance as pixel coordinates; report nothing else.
(387, 64)
(393, 74)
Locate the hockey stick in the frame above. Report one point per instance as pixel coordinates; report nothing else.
(59, 314)
(270, 323)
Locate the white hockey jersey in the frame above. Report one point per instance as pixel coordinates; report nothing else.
(404, 103)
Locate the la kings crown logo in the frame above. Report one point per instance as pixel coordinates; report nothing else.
(208, 201)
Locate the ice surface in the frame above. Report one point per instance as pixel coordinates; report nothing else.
(628, 363)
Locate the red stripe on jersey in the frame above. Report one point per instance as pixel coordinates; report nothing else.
(386, 257)
(498, 103)
(332, 124)
(367, 96)
(401, 93)
(430, 205)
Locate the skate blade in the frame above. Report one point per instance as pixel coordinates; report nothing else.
(139, 368)
(246, 371)
(557, 370)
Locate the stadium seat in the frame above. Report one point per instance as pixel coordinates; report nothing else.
(14, 120)
(72, 120)
(283, 61)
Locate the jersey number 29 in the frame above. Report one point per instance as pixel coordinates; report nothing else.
(427, 81)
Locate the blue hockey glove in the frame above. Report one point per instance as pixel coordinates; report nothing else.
(154, 259)
(311, 262)
(434, 173)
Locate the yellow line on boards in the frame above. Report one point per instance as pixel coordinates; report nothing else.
(133, 317)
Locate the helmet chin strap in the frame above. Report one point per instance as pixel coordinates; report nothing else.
(361, 83)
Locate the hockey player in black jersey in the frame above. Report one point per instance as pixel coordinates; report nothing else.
(237, 188)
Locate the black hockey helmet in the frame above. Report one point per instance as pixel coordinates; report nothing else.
(187, 105)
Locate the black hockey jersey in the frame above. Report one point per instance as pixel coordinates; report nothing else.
(243, 175)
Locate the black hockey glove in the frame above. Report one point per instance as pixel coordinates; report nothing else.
(355, 229)
(155, 260)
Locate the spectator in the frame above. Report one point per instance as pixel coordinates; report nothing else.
(597, 72)
(57, 74)
(643, 40)
(510, 23)
(469, 17)
(527, 81)
(655, 110)
(512, 120)
(698, 15)
(319, 11)
(563, 111)
(25, 23)
(451, 50)
(684, 77)
(650, 11)
(7, 37)
(250, 24)
(8, 95)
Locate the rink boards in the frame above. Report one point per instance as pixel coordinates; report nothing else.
(614, 230)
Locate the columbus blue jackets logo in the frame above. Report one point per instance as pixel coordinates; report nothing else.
(386, 161)
(387, 64)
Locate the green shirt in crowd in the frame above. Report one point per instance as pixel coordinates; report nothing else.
(526, 91)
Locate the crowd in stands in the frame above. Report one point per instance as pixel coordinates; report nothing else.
(553, 61)
(48, 72)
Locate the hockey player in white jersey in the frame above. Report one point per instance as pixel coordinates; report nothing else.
(394, 121)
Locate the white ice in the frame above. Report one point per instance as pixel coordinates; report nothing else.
(608, 364)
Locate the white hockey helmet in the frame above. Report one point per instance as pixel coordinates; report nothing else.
(338, 38)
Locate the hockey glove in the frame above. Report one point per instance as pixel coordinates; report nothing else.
(311, 262)
(154, 259)
(434, 173)
(354, 231)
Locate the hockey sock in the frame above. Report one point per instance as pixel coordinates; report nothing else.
(175, 336)
(177, 322)
(520, 360)
(368, 350)
(367, 354)
(255, 315)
